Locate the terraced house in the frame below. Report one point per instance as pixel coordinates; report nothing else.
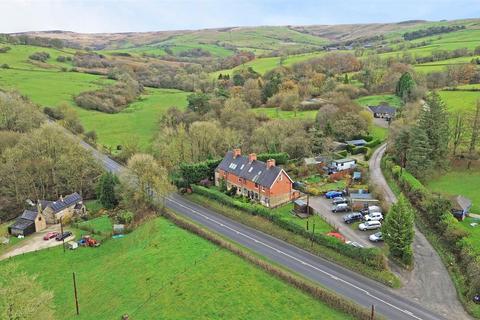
(261, 181)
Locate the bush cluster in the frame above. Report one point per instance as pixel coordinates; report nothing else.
(434, 212)
(40, 56)
(370, 257)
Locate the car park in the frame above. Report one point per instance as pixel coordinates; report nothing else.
(374, 216)
(338, 200)
(376, 237)
(63, 236)
(352, 217)
(333, 194)
(342, 207)
(369, 225)
(50, 235)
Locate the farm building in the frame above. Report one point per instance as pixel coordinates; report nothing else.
(261, 181)
(29, 222)
(460, 206)
(344, 164)
(383, 111)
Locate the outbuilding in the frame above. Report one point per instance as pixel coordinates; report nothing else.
(29, 222)
(356, 143)
(344, 164)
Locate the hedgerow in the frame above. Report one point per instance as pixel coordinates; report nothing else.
(371, 257)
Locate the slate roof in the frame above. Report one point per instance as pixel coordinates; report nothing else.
(21, 224)
(383, 109)
(359, 142)
(68, 201)
(255, 171)
(461, 203)
(29, 215)
(361, 196)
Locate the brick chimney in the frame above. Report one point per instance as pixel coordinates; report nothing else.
(39, 207)
(270, 163)
(252, 157)
(61, 198)
(237, 153)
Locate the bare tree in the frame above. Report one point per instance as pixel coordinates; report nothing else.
(475, 129)
(458, 132)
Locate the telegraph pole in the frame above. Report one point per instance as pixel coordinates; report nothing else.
(75, 291)
(372, 315)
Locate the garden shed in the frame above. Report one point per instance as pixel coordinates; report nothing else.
(460, 206)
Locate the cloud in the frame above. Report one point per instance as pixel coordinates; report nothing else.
(149, 15)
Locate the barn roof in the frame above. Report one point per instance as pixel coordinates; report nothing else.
(383, 109)
(22, 224)
(29, 215)
(255, 171)
(460, 203)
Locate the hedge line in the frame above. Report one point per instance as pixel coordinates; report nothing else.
(371, 257)
(434, 211)
(329, 298)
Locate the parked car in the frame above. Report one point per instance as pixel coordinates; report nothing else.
(371, 209)
(50, 235)
(354, 244)
(376, 237)
(338, 200)
(336, 235)
(341, 207)
(374, 216)
(369, 225)
(352, 217)
(333, 194)
(62, 236)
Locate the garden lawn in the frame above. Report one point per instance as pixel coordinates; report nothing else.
(162, 272)
(275, 113)
(459, 182)
(375, 100)
(377, 132)
(321, 226)
(474, 232)
(102, 224)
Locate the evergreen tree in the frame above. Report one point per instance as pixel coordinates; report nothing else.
(418, 156)
(106, 190)
(402, 147)
(398, 230)
(346, 80)
(434, 121)
(405, 86)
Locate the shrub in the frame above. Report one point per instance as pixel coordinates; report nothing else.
(358, 150)
(371, 257)
(374, 143)
(53, 113)
(5, 66)
(4, 49)
(342, 153)
(40, 56)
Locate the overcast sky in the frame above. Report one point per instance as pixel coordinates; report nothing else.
(151, 15)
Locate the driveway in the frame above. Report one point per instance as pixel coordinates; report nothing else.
(429, 282)
(35, 242)
(323, 207)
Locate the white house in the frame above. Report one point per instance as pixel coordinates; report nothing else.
(344, 164)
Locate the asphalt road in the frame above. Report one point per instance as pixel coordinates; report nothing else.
(355, 287)
(429, 281)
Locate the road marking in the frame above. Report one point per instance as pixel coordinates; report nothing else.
(297, 259)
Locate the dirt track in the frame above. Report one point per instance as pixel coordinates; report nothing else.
(429, 283)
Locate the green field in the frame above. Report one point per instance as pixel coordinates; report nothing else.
(17, 57)
(474, 238)
(262, 65)
(460, 101)
(102, 224)
(375, 100)
(459, 182)
(138, 121)
(162, 272)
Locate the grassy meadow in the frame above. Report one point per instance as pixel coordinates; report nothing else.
(375, 100)
(460, 101)
(161, 271)
(459, 182)
(17, 57)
